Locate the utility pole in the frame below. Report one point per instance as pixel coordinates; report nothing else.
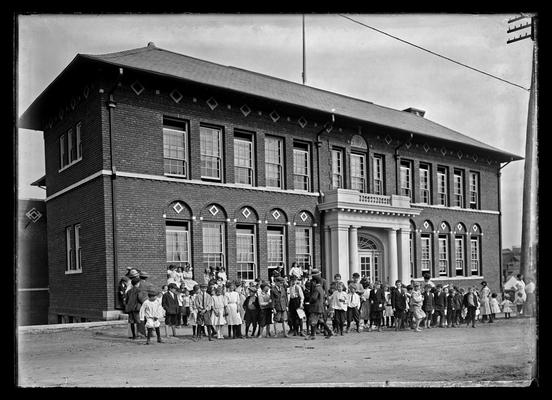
(529, 222)
(304, 74)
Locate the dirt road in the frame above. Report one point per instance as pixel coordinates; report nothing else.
(499, 354)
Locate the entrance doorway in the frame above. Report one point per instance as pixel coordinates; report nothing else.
(369, 258)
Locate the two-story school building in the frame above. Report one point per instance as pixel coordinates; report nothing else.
(156, 158)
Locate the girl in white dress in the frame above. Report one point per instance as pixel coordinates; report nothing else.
(187, 278)
(218, 311)
(171, 275)
(233, 319)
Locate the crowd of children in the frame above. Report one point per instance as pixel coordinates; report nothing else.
(302, 304)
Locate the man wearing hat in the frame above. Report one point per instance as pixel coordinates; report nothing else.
(134, 299)
(280, 304)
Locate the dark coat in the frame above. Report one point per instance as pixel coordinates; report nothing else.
(475, 301)
(458, 301)
(279, 298)
(398, 300)
(451, 302)
(429, 302)
(376, 299)
(316, 299)
(440, 300)
(169, 303)
(134, 299)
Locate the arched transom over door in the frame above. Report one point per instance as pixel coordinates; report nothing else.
(370, 257)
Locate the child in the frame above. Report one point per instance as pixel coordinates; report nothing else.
(296, 301)
(151, 311)
(204, 304)
(353, 308)
(428, 305)
(280, 304)
(218, 313)
(192, 317)
(170, 305)
(377, 304)
(338, 305)
(400, 300)
(471, 303)
(388, 311)
(234, 318)
(164, 289)
(495, 309)
(463, 310)
(251, 307)
(365, 303)
(506, 306)
(265, 313)
(185, 309)
(416, 302)
(451, 309)
(519, 303)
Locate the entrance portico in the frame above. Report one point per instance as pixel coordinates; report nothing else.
(368, 234)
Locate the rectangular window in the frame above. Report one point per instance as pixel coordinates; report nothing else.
(475, 260)
(274, 165)
(442, 185)
(443, 255)
(78, 259)
(243, 159)
(246, 253)
(303, 246)
(474, 190)
(178, 243)
(78, 140)
(71, 148)
(175, 149)
(411, 251)
(378, 174)
(426, 252)
(406, 179)
(275, 248)
(458, 188)
(213, 245)
(337, 168)
(425, 184)
(301, 167)
(62, 152)
(459, 255)
(69, 264)
(358, 172)
(211, 152)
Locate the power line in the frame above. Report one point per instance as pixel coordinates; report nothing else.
(432, 52)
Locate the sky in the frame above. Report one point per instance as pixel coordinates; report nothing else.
(341, 57)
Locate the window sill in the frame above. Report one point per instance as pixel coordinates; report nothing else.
(70, 165)
(77, 271)
(176, 176)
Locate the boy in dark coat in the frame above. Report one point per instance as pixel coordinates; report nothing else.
(440, 299)
(169, 302)
(471, 303)
(133, 302)
(452, 309)
(428, 305)
(251, 307)
(399, 304)
(377, 303)
(279, 297)
(316, 308)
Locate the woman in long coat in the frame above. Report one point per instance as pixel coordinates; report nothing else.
(365, 304)
(484, 302)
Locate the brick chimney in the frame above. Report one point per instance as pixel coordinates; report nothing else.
(416, 111)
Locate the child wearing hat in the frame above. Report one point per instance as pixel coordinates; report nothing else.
(280, 304)
(192, 317)
(169, 302)
(252, 309)
(204, 303)
(151, 311)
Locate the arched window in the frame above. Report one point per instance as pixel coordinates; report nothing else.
(475, 250)
(426, 241)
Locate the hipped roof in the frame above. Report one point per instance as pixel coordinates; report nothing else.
(151, 59)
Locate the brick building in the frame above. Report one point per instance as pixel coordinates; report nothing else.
(156, 158)
(32, 262)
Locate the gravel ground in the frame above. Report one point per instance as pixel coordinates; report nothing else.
(499, 354)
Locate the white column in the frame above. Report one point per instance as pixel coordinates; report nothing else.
(404, 264)
(327, 253)
(393, 270)
(340, 251)
(353, 252)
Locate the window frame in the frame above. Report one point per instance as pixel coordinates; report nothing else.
(309, 254)
(245, 137)
(442, 174)
(71, 265)
(444, 257)
(302, 149)
(474, 205)
(222, 235)
(254, 263)
(182, 127)
(337, 162)
(270, 232)
(425, 190)
(219, 158)
(458, 196)
(378, 174)
(462, 252)
(70, 142)
(477, 241)
(280, 165)
(179, 227)
(426, 237)
(362, 169)
(405, 167)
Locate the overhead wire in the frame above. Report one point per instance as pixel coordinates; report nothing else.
(433, 53)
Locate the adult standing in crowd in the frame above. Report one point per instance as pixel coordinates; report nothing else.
(519, 286)
(485, 305)
(530, 303)
(440, 301)
(133, 302)
(124, 287)
(317, 309)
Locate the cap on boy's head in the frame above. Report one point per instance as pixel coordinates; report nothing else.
(133, 274)
(153, 292)
(356, 275)
(203, 285)
(484, 283)
(263, 285)
(337, 276)
(438, 286)
(172, 286)
(315, 271)
(408, 287)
